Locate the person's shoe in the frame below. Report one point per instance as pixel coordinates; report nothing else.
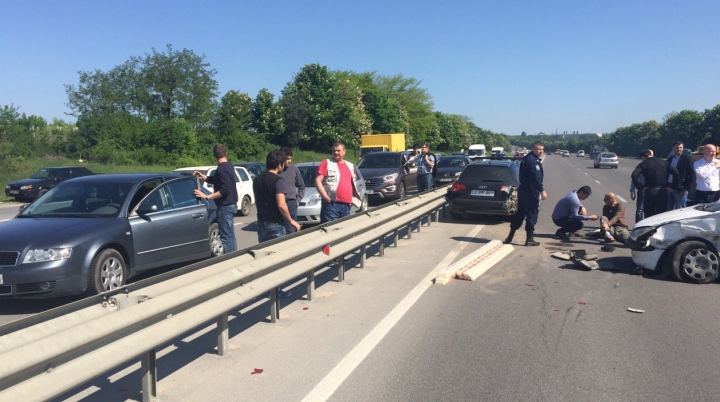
(609, 239)
(509, 239)
(283, 294)
(530, 241)
(562, 235)
(578, 233)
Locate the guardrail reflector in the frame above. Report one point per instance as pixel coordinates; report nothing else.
(326, 250)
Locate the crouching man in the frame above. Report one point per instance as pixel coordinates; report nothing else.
(569, 213)
(613, 224)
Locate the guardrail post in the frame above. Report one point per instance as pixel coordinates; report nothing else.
(274, 305)
(410, 230)
(444, 213)
(429, 218)
(310, 284)
(419, 224)
(382, 246)
(222, 334)
(363, 251)
(341, 269)
(396, 235)
(148, 368)
(437, 215)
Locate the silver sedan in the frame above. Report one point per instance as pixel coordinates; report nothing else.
(308, 212)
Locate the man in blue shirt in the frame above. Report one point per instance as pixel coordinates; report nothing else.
(425, 161)
(530, 192)
(569, 212)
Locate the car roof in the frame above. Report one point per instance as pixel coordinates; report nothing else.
(194, 168)
(62, 167)
(388, 153)
(306, 164)
(495, 162)
(123, 177)
(248, 163)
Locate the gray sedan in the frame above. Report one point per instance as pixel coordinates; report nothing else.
(92, 233)
(309, 207)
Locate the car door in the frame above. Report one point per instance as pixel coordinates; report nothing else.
(410, 174)
(244, 185)
(170, 225)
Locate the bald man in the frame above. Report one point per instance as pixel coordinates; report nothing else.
(708, 176)
(613, 224)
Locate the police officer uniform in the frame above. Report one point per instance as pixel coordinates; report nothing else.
(531, 185)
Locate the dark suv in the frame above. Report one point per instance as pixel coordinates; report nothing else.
(42, 181)
(488, 187)
(387, 176)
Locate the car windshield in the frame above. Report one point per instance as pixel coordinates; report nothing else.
(610, 155)
(43, 174)
(487, 173)
(451, 162)
(476, 152)
(308, 175)
(380, 161)
(80, 200)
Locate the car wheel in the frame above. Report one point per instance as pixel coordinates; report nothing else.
(364, 205)
(245, 206)
(401, 192)
(695, 261)
(107, 272)
(216, 246)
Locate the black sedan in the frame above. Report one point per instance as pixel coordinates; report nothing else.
(488, 187)
(448, 169)
(92, 233)
(42, 181)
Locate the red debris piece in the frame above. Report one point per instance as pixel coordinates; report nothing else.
(257, 371)
(582, 303)
(326, 250)
(529, 284)
(305, 308)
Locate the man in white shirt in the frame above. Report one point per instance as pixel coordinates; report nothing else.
(707, 171)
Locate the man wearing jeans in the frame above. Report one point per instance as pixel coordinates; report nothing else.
(295, 187)
(335, 181)
(225, 196)
(682, 182)
(569, 213)
(425, 162)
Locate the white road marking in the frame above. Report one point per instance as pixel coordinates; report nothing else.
(597, 182)
(337, 375)
(586, 174)
(241, 223)
(620, 198)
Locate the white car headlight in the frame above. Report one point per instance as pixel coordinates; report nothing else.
(28, 187)
(47, 254)
(314, 200)
(390, 177)
(458, 173)
(637, 232)
(8, 186)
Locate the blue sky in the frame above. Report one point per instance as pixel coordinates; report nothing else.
(511, 66)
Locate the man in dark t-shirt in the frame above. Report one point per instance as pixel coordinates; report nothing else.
(270, 189)
(225, 196)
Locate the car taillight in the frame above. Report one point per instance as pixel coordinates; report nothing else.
(505, 189)
(457, 187)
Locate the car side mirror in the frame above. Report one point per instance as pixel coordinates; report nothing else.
(22, 208)
(145, 208)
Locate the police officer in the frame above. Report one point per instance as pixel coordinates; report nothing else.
(530, 193)
(656, 172)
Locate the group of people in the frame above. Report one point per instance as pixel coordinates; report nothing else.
(658, 185)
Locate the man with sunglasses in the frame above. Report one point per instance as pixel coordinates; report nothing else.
(613, 224)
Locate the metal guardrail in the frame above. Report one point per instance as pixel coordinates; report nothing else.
(47, 357)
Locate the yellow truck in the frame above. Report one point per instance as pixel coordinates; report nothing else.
(381, 142)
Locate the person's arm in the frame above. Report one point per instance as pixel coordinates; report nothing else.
(280, 188)
(576, 210)
(299, 184)
(635, 175)
(673, 171)
(615, 218)
(690, 172)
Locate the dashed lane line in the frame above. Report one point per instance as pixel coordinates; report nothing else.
(620, 198)
(597, 182)
(324, 390)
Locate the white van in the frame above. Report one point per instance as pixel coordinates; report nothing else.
(497, 150)
(476, 151)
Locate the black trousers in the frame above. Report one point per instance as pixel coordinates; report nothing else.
(568, 225)
(528, 209)
(656, 201)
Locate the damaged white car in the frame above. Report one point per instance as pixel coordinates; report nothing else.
(684, 242)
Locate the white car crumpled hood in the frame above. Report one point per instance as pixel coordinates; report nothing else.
(691, 224)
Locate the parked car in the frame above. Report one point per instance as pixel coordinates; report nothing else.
(606, 159)
(682, 242)
(42, 181)
(254, 168)
(485, 188)
(309, 207)
(565, 154)
(246, 197)
(91, 234)
(448, 169)
(387, 176)
(581, 154)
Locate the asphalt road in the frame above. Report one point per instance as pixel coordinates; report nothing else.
(531, 328)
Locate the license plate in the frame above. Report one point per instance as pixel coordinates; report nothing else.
(1, 279)
(482, 193)
(445, 180)
(369, 191)
(14, 192)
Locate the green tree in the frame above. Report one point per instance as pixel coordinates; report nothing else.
(234, 125)
(683, 126)
(417, 103)
(709, 128)
(267, 116)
